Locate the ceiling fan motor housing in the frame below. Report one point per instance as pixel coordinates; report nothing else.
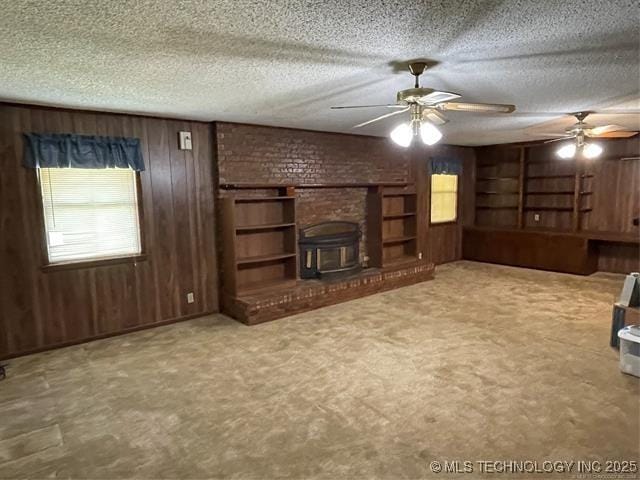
(412, 95)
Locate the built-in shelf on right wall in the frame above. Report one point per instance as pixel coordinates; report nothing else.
(392, 225)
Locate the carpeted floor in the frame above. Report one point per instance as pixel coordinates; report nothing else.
(483, 363)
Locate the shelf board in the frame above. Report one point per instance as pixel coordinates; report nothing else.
(488, 192)
(539, 177)
(266, 285)
(264, 258)
(586, 193)
(398, 194)
(497, 178)
(399, 215)
(562, 192)
(496, 207)
(392, 240)
(494, 164)
(272, 226)
(256, 186)
(400, 260)
(262, 199)
(556, 209)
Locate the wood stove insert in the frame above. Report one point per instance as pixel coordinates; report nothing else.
(329, 250)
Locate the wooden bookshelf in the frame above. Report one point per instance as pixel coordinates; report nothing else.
(259, 242)
(498, 189)
(513, 190)
(392, 225)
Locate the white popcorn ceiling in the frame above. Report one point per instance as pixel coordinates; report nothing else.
(285, 62)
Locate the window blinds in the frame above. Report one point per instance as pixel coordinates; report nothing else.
(444, 198)
(90, 214)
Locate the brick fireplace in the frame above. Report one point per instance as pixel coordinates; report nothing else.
(302, 211)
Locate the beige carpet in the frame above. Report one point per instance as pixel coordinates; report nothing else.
(483, 363)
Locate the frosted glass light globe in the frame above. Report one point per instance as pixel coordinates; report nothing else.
(591, 150)
(567, 151)
(402, 135)
(429, 133)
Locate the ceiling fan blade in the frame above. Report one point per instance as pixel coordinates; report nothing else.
(434, 117)
(438, 97)
(476, 107)
(548, 134)
(369, 106)
(618, 134)
(559, 139)
(596, 131)
(381, 117)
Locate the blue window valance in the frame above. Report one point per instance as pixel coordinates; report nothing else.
(446, 165)
(45, 150)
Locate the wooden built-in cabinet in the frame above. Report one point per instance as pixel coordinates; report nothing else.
(536, 210)
(514, 187)
(392, 225)
(260, 242)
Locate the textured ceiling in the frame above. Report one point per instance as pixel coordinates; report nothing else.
(285, 62)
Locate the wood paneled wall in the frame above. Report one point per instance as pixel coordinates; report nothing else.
(444, 241)
(43, 309)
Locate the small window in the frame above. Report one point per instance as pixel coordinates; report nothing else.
(90, 214)
(444, 198)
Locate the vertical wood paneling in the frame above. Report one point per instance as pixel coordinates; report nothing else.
(41, 309)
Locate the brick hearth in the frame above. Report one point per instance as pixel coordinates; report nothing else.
(310, 294)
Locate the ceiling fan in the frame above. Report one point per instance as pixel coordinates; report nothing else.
(425, 106)
(581, 131)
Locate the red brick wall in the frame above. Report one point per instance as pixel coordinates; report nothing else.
(257, 154)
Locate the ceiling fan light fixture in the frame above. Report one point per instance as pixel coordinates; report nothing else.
(567, 151)
(591, 150)
(402, 134)
(429, 133)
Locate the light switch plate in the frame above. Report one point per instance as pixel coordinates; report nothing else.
(185, 140)
(536, 217)
(190, 298)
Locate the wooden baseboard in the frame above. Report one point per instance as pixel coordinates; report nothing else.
(137, 328)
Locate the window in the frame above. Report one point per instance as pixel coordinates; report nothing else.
(90, 213)
(444, 198)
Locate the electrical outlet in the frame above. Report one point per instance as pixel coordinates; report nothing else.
(536, 217)
(419, 255)
(190, 298)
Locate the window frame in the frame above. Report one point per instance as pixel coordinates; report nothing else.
(448, 222)
(47, 266)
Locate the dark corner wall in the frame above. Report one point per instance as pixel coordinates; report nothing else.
(41, 308)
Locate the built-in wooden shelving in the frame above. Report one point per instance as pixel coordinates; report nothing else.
(392, 225)
(260, 233)
(539, 186)
(259, 241)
